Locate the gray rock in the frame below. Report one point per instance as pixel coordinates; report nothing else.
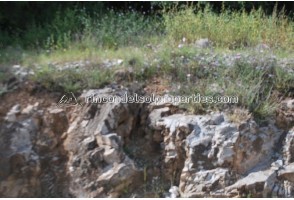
(211, 142)
(90, 143)
(112, 155)
(73, 65)
(21, 72)
(156, 115)
(112, 63)
(106, 164)
(203, 43)
(118, 176)
(112, 140)
(287, 172)
(13, 112)
(174, 192)
(259, 184)
(96, 157)
(118, 149)
(204, 182)
(30, 109)
(19, 163)
(288, 149)
(285, 114)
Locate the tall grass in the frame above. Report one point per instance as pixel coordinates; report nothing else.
(76, 28)
(230, 29)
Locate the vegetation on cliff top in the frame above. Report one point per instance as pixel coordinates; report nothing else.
(162, 44)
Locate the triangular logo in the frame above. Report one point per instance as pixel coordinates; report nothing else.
(68, 100)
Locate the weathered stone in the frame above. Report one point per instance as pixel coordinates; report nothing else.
(174, 192)
(110, 124)
(90, 143)
(216, 120)
(118, 149)
(21, 72)
(12, 114)
(285, 114)
(288, 149)
(19, 163)
(118, 176)
(112, 155)
(58, 121)
(287, 172)
(111, 140)
(112, 63)
(258, 184)
(28, 110)
(155, 115)
(95, 157)
(211, 142)
(203, 43)
(204, 182)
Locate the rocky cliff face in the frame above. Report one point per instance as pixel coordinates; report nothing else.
(142, 150)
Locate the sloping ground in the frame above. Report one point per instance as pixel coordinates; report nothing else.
(138, 150)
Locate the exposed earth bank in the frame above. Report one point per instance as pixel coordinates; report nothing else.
(139, 150)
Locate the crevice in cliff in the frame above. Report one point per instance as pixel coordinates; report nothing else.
(144, 147)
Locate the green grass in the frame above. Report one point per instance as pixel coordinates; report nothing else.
(71, 80)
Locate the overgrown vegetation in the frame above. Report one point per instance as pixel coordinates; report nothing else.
(162, 45)
(231, 29)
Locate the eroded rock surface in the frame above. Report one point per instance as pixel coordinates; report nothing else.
(140, 150)
(98, 166)
(32, 161)
(211, 153)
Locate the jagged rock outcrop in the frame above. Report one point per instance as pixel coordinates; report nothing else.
(140, 150)
(31, 159)
(211, 153)
(98, 166)
(19, 163)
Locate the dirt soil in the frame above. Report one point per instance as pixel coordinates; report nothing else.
(26, 94)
